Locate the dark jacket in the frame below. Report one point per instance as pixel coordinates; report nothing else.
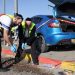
(22, 38)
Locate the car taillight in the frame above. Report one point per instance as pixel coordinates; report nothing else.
(54, 24)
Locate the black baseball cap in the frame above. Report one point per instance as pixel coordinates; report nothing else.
(19, 15)
(28, 19)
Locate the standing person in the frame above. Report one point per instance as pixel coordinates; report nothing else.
(26, 39)
(5, 24)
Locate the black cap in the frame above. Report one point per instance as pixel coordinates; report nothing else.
(28, 19)
(19, 15)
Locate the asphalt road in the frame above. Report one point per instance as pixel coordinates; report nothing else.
(63, 53)
(21, 68)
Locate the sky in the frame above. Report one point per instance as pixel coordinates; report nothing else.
(28, 8)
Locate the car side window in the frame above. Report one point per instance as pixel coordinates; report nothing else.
(36, 19)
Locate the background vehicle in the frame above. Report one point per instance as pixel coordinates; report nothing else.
(53, 31)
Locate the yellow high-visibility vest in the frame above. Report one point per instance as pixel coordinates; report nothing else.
(13, 28)
(32, 25)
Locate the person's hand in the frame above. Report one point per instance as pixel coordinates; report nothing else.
(13, 48)
(23, 46)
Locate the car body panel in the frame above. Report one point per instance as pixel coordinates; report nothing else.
(52, 36)
(56, 38)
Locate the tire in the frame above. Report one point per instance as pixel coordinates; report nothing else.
(41, 44)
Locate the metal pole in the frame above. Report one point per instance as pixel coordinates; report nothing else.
(16, 6)
(4, 6)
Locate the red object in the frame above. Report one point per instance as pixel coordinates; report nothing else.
(51, 25)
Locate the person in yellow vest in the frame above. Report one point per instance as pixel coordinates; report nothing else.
(27, 37)
(6, 22)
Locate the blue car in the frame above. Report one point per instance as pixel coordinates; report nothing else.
(54, 31)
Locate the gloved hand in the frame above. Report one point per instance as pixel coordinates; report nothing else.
(13, 48)
(23, 46)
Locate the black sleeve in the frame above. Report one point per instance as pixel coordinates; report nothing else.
(20, 32)
(33, 32)
(32, 36)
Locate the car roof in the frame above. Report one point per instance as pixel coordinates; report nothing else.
(58, 17)
(51, 16)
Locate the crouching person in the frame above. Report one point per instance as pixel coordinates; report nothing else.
(27, 39)
(5, 25)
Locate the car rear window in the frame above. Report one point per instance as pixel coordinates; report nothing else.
(36, 19)
(50, 17)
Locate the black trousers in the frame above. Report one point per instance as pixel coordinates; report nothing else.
(19, 50)
(33, 51)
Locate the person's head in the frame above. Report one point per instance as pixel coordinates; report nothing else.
(18, 18)
(28, 21)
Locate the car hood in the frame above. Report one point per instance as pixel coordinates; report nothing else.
(64, 7)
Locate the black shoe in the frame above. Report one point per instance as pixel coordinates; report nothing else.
(0, 65)
(36, 63)
(2, 69)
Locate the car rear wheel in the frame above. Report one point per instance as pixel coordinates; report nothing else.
(41, 44)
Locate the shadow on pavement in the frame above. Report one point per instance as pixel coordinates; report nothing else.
(61, 48)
